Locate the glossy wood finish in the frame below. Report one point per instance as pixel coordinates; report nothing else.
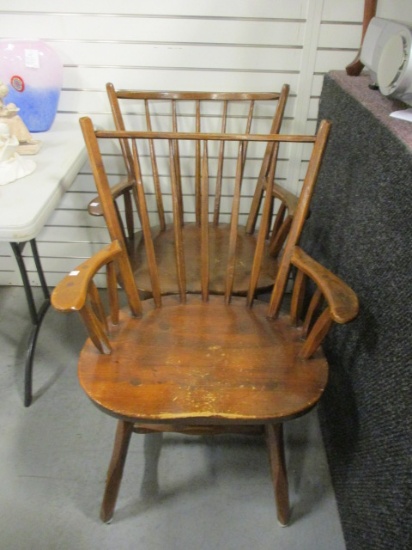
(195, 111)
(197, 362)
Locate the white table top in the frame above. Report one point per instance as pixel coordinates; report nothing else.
(27, 203)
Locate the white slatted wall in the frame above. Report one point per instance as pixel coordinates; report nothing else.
(231, 45)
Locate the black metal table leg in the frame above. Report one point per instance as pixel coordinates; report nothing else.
(36, 314)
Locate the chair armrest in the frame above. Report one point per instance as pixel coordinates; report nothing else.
(289, 199)
(95, 208)
(342, 300)
(71, 293)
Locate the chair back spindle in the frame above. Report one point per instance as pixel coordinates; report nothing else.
(151, 256)
(262, 235)
(219, 173)
(231, 261)
(204, 224)
(155, 170)
(177, 220)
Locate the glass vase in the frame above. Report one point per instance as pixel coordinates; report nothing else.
(33, 73)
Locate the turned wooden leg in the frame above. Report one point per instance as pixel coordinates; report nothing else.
(274, 439)
(115, 472)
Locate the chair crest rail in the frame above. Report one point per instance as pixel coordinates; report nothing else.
(199, 136)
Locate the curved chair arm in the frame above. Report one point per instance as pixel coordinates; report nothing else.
(341, 301)
(289, 199)
(71, 292)
(95, 208)
(77, 292)
(122, 189)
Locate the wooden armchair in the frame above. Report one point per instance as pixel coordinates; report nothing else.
(196, 362)
(206, 112)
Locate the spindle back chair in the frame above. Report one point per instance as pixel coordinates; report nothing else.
(200, 112)
(200, 362)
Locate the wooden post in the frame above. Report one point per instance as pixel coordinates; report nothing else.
(355, 68)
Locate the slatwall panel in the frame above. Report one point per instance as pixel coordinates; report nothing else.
(232, 45)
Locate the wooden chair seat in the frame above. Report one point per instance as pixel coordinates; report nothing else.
(164, 246)
(237, 367)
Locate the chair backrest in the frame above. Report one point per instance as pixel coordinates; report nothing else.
(333, 301)
(197, 112)
(140, 144)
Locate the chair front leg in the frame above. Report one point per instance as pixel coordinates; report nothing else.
(115, 472)
(274, 441)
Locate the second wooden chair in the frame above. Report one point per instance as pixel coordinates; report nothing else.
(202, 112)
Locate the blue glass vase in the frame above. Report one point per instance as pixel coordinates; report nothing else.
(33, 73)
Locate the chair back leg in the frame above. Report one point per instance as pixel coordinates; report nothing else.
(116, 467)
(275, 444)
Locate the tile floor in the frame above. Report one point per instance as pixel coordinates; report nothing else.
(179, 493)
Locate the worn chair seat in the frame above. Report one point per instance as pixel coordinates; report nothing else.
(164, 245)
(237, 367)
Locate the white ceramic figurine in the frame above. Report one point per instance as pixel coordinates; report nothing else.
(17, 128)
